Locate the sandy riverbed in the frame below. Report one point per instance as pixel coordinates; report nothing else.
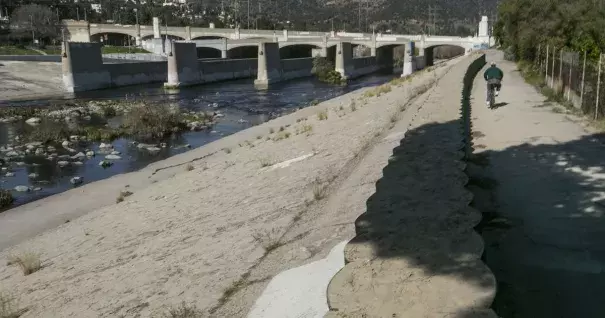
(28, 80)
(200, 222)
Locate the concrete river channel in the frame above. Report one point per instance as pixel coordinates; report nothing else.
(241, 104)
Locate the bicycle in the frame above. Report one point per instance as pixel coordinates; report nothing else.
(491, 86)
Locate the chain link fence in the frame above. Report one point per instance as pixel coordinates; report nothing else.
(574, 77)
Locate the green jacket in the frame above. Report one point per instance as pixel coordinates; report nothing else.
(493, 72)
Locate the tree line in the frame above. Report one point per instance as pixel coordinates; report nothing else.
(575, 25)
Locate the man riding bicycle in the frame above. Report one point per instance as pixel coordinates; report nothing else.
(493, 75)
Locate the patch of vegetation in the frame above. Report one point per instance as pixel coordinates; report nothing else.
(377, 91)
(322, 115)
(109, 111)
(228, 150)
(107, 49)
(184, 311)
(323, 69)
(123, 195)
(189, 167)
(306, 129)
(271, 130)
(6, 198)
(16, 50)
(153, 121)
(314, 102)
(282, 135)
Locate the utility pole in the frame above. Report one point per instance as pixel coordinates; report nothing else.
(432, 22)
(31, 20)
(359, 21)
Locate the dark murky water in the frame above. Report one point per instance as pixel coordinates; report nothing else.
(242, 105)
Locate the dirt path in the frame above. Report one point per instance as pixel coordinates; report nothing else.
(546, 244)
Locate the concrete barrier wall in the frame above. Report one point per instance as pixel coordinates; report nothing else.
(107, 58)
(222, 70)
(123, 74)
(363, 66)
(296, 68)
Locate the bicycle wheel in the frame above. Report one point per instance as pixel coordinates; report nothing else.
(491, 97)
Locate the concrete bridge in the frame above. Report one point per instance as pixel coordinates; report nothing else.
(158, 38)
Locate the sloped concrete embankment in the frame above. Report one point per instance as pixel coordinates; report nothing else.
(416, 253)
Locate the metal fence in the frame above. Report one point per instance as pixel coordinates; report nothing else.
(574, 77)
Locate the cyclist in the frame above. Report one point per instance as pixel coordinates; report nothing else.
(493, 75)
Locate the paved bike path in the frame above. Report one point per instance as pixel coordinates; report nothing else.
(550, 255)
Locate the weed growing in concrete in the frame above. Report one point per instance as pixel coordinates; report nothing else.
(184, 311)
(266, 162)
(268, 239)
(259, 137)
(282, 128)
(353, 106)
(319, 190)
(228, 150)
(123, 195)
(394, 118)
(271, 130)
(189, 167)
(307, 129)
(322, 115)
(29, 262)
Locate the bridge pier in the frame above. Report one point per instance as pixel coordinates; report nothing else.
(344, 59)
(408, 60)
(183, 66)
(138, 35)
(156, 27)
(82, 67)
(269, 65)
(188, 33)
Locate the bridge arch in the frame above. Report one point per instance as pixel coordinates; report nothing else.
(170, 36)
(113, 38)
(442, 51)
(243, 52)
(208, 53)
(297, 50)
(209, 37)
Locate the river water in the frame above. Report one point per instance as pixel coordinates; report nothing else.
(242, 105)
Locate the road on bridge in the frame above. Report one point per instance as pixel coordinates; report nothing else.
(546, 244)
